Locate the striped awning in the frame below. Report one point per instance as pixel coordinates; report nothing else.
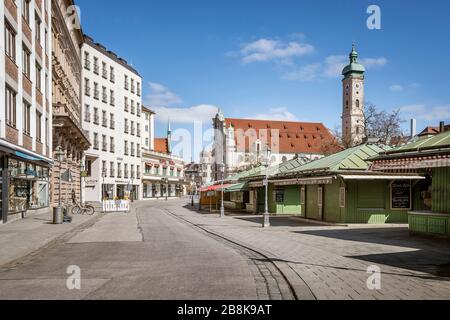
(412, 163)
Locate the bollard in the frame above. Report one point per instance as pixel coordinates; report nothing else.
(57, 216)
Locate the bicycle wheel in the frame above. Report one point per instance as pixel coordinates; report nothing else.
(89, 210)
(76, 210)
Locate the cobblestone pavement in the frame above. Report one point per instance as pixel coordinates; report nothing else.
(331, 262)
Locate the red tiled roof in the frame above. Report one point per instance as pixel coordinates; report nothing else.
(161, 145)
(293, 137)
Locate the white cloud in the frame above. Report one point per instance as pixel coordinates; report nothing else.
(276, 114)
(161, 96)
(423, 112)
(370, 63)
(396, 88)
(264, 50)
(201, 113)
(331, 67)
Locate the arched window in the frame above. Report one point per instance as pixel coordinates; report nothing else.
(357, 103)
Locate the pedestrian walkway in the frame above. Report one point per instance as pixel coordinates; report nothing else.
(332, 261)
(23, 237)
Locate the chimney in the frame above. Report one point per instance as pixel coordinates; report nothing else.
(413, 128)
(441, 126)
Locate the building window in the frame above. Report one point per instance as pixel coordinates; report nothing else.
(112, 76)
(38, 77)
(38, 126)
(37, 30)
(357, 103)
(26, 10)
(104, 70)
(126, 83)
(87, 88)
(87, 113)
(96, 117)
(111, 169)
(10, 42)
(146, 142)
(87, 61)
(96, 141)
(96, 66)
(104, 143)
(88, 168)
(26, 118)
(10, 104)
(26, 57)
(119, 170)
(96, 91)
(112, 146)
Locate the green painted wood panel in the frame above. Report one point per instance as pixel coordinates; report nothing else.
(332, 211)
(312, 208)
(441, 190)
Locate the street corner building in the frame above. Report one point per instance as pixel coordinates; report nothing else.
(429, 156)
(112, 118)
(26, 115)
(163, 174)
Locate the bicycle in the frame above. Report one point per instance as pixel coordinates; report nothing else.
(86, 209)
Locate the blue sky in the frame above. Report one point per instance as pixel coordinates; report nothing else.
(277, 59)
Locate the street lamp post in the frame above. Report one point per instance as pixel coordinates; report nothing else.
(266, 222)
(57, 212)
(81, 180)
(222, 207)
(166, 184)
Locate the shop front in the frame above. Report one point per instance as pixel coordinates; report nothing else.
(24, 185)
(430, 157)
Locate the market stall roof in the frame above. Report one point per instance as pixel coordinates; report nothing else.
(274, 170)
(355, 158)
(439, 144)
(238, 187)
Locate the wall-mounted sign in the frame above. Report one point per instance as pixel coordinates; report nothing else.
(401, 195)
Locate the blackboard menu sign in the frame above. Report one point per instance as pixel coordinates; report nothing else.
(401, 195)
(279, 196)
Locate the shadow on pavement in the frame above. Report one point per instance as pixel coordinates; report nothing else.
(421, 254)
(279, 221)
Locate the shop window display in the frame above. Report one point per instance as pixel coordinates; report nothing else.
(28, 186)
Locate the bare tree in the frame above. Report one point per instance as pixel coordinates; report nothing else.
(383, 127)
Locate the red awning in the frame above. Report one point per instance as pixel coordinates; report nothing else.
(214, 188)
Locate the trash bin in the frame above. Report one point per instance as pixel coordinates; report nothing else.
(57, 216)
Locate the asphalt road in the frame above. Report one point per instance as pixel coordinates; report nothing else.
(147, 255)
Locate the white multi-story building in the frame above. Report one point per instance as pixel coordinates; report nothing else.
(112, 105)
(148, 128)
(206, 167)
(26, 111)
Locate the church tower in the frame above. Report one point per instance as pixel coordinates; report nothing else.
(353, 102)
